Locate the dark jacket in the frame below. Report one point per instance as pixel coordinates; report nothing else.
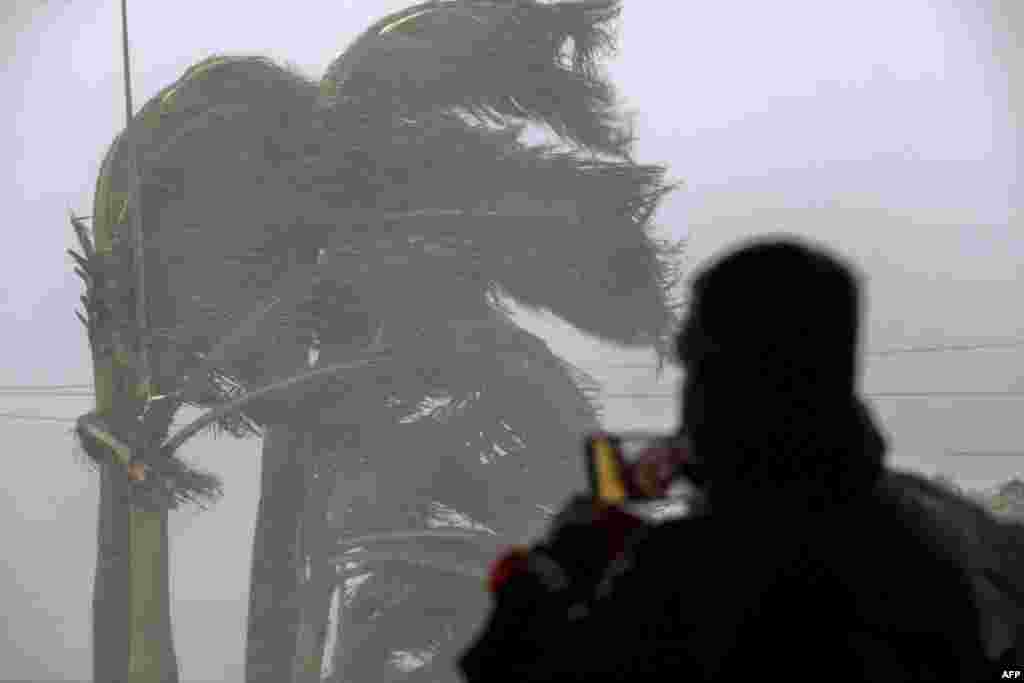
(859, 592)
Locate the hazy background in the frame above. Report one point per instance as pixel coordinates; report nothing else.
(892, 121)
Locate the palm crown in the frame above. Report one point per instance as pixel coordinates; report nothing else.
(402, 192)
(386, 214)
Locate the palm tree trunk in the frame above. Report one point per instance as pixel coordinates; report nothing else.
(150, 623)
(132, 631)
(131, 593)
(320, 581)
(349, 637)
(110, 625)
(133, 637)
(277, 558)
(169, 661)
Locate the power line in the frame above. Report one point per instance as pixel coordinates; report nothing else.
(36, 418)
(1013, 344)
(951, 394)
(30, 417)
(939, 348)
(882, 394)
(49, 394)
(45, 387)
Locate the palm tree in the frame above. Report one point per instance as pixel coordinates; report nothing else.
(142, 181)
(200, 353)
(380, 219)
(140, 356)
(494, 405)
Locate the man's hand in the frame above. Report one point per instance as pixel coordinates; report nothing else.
(583, 539)
(586, 536)
(580, 510)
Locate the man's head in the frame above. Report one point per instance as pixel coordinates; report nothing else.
(769, 351)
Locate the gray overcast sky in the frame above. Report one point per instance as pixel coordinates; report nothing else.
(757, 107)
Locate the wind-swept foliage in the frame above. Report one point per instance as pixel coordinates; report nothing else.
(493, 59)
(386, 213)
(422, 188)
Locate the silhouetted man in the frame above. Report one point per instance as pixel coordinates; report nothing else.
(802, 564)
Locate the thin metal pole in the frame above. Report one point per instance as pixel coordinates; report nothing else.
(127, 63)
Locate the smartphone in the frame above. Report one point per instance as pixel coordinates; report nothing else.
(636, 467)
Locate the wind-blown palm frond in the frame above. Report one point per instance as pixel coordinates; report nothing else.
(485, 419)
(243, 258)
(621, 285)
(399, 217)
(553, 230)
(495, 59)
(225, 390)
(281, 390)
(169, 482)
(403, 609)
(210, 245)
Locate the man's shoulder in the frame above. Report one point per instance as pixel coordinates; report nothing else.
(858, 534)
(679, 533)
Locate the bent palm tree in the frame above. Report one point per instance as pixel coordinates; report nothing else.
(394, 207)
(487, 420)
(147, 324)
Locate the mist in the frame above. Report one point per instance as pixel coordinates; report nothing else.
(888, 131)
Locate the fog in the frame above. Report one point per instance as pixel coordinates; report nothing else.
(889, 131)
